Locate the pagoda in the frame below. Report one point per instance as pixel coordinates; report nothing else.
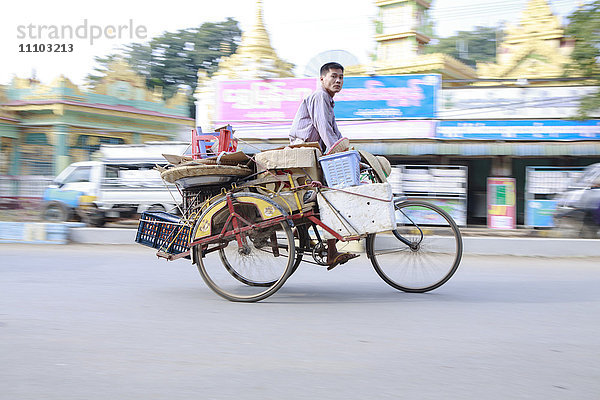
(534, 49)
(255, 58)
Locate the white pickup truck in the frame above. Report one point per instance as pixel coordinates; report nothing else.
(121, 184)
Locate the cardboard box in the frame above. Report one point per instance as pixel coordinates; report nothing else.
(298, 159)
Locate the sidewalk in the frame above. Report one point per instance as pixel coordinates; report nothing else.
(476, 240)
(481, 241)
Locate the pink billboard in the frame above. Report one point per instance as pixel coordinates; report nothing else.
(262, 100)
(362, 98)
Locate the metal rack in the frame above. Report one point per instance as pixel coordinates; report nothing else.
(442, 185)
(542, 184)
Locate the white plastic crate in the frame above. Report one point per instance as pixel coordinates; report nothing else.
(341, 169)
(358, 215)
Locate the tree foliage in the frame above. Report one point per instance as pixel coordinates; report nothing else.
(584, 27)
(469, 47)
(172, 59)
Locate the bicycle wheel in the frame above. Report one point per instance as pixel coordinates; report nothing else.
(422, 253)
(252, 265)
(301, 244)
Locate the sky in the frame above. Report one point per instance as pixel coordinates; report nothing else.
(299, 30)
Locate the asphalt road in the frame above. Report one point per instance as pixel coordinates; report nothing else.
(115, 322)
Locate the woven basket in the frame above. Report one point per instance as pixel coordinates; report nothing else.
(186, 171)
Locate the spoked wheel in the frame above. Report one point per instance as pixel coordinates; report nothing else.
(301, 244)
(253, 264)
(422, 253)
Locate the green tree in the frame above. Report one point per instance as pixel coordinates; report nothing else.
(584, 27)
(172, 59)
(469, 47)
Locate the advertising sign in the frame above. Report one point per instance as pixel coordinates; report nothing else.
(501, 203)
(353, 130)
(514, 102)
(402, 96)
(377, 97)
(520, 130)
(261, 100)
(538, 213)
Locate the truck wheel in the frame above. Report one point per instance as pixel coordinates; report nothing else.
(92, 217)
(97, 220)
(56, 212)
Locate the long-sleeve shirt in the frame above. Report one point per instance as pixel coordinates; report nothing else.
(315, 120)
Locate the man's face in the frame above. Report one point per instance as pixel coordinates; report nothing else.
(333, 81)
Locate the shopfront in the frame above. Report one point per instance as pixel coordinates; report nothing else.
(413, 122)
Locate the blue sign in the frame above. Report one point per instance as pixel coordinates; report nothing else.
(519, 130)
(538, 213)
(388, 97)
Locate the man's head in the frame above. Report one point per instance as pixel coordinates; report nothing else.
(332, 77)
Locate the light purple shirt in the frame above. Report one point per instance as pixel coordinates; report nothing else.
(315, 121)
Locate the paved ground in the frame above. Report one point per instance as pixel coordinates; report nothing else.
(100, 322)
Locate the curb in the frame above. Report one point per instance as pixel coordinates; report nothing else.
(56, 233)
(103, 235)
(37, 232)
(536, 247)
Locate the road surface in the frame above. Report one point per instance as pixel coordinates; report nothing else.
(115, 322)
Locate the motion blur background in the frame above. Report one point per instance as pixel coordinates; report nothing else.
(489, 110)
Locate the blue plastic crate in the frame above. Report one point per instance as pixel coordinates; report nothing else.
(341, 169)
(163, 231)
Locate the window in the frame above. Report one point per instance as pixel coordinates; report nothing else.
(80, 174)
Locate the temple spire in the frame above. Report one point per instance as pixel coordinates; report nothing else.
(259, 12)
(255, 57)
(256, 41)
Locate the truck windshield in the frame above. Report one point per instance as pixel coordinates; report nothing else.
(77, 174)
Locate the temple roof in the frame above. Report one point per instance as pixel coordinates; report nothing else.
(538, 21)
(535, 48)
(120, 89)
(442, 64)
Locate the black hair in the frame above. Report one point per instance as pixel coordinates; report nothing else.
(330, 65)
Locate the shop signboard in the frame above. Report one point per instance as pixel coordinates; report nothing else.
(519, 130)
(261, 100)
(538, 213)
(374, 97)
(385, 97)
(353, 130)
(513, 102)
(501, 203)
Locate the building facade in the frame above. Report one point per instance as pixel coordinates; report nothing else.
(44, 128)
(498, 120)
